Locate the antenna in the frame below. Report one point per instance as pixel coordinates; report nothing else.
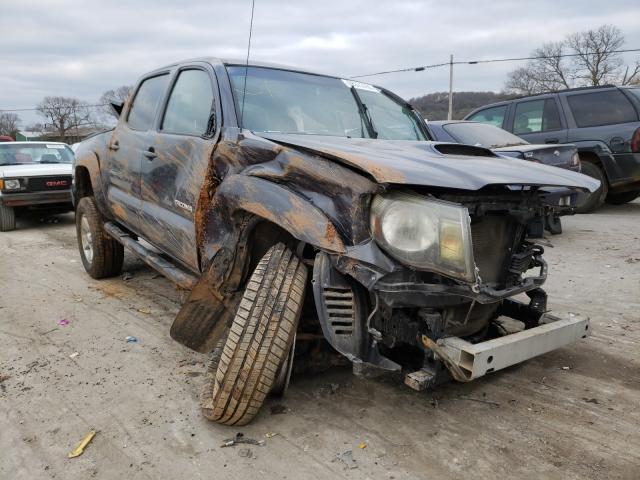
(246, 65)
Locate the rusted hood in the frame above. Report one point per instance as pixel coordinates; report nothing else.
(421, 163)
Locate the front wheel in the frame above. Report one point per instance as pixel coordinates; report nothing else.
(246, 363)
(621, 198)
(101, 255)
(596, 199)
(7, 218)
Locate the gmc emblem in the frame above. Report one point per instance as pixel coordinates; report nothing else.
(56, 183)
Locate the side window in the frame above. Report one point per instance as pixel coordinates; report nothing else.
(492, 116)
(601, 108)
(146, 102)
(190, 104)
(536, 116)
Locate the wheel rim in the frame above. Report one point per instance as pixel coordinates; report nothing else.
(86, 239)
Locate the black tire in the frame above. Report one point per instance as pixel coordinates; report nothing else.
(245, 364)
(596, 199)
(101, 255)
(622, 198)
(7, 218)
(553, 224)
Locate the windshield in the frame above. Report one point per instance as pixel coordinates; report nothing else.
(32, 153)
(482, 135)
(281, 101)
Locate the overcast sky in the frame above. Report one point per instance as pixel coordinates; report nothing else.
(81, 49)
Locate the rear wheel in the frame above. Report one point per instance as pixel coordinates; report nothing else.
(246, 363)
(101, 255)
(596, 199)
(620, 198)
(553, 224)
(7, 218)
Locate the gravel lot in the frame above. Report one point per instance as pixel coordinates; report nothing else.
(537, 420)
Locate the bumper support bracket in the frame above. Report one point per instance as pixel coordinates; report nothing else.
(467, 361)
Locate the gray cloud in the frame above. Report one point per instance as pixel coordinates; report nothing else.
(77, 49)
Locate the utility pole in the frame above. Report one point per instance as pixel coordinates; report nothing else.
(450, 115)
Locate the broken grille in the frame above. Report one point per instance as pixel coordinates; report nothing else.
(493, 238)
(340, 310)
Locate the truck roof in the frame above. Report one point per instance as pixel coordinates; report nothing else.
(251, 63)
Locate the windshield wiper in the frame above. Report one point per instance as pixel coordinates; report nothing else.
(49, 161)
(364, 114)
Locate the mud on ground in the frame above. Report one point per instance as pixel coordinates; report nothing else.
(571, 414)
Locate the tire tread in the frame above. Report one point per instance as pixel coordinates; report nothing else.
(244, 365)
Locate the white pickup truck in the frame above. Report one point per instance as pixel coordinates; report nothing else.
(34, 176)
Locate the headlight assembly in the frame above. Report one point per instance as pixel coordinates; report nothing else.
(12, 184)
(424, 233)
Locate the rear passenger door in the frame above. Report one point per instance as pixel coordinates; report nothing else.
(538, 121)
(122, 165)
(175, 163)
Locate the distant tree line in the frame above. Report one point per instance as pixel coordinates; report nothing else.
(435, 106)
(68, 118)
(582, 59)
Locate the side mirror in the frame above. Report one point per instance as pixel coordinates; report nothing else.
(117, 107)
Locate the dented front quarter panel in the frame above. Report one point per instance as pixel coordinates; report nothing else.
(252, 180)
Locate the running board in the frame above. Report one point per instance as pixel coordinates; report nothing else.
(476, 360)
(175, 274)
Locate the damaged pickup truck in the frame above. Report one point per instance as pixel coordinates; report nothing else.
(297, 205)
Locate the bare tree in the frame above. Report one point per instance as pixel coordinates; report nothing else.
(118, 95)
(35, 127)
(65, 115)
(592, 62)
(9, 124)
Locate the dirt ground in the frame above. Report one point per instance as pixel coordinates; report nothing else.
(571, 414)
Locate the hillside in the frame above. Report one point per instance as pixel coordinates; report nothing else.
(434, 106)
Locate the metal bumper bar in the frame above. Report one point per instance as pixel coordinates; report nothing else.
(475, 360)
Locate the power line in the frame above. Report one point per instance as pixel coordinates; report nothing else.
(46, 108)
(411, 69)
(494, 60)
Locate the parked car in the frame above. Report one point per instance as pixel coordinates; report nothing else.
(603, 122)
(6, 138)
(504, 143)
(500, 141)
(258, 187)
(34, 176)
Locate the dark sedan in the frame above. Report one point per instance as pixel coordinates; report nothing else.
(506, 144)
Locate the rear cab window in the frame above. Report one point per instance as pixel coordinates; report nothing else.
(536, 116)
(607, 107)
(146, 101)
(492, 116)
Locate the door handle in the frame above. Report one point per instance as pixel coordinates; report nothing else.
(150, 153)
(552, 140)
(114, 146)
